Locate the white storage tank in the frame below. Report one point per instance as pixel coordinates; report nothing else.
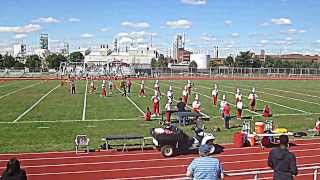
(202, 60)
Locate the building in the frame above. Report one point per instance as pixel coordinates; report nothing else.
(202, 60)
(289, 57)
(44, 43)
(178, 45)
(183, 55)
(19, 50)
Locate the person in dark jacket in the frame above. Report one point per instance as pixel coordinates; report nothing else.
(13, 171)
(282, 161)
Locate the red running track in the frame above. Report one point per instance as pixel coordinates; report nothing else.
(149, 164)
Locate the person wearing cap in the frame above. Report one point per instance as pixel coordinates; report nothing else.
(170, 93)
(155, 103)
(142, 92)
(185, 95)
(189, 85)
(205, 167)
(196, 104)
(282, 161)
(238, 95)
(239, 108)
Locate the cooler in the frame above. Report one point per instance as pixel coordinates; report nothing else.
(238, 138)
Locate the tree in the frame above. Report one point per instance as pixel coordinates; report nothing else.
(1, 61)
(18, 64)
(243, 58)
(229, 61)
(8, 61)
(193, 66)
(54, 60)
(33, 61)
(76, 57)
(154, 63)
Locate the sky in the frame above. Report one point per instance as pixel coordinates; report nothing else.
(278, 26)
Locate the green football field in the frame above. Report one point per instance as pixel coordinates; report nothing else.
(43, 116)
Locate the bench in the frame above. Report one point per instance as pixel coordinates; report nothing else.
(125, 140)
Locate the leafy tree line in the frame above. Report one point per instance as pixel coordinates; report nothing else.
(34, 61)
(247, 59)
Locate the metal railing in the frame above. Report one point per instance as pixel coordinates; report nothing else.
(257, 173)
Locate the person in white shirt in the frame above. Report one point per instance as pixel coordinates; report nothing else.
(155, 103)
(239, 108)
(252, 98)
(185, 95)
(214, 94)
(157, 86)
(168, 110)
(222, 104)
(170, 93)
(196, 105)
(238, 95)
(189, 86)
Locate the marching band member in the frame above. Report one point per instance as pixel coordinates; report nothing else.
(157, 86)
(170, 93)
(142, 92)
(185, 95)
(92, 87)
(155, 101)
(215, 93)
(238, 95)
(266, 111)
(196, 105)
(253, 98)
(103, 89)
(189, 86)
(222, 104)
(110, 86)
(239, 108)
(168, 110)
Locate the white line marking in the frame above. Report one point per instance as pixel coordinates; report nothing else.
(144, 168)
(85, 102)
(280, 90)
(15, 91)
(132, 102)
(43, 127)
(34, 105)
(301, 100)
(270, 102)
(134, 119)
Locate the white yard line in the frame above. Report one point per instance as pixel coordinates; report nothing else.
(34, 105)
(219, 99)
(270, 102)
(303, 94)
(301, 100)
(85, 102)
(15, 91)
(132, 102)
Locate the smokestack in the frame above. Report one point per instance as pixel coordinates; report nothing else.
(217, 52)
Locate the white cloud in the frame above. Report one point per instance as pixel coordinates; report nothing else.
(302, 31)
(19, 36)
(46, 20)
(136, 34)
(74, 20)
(281, 21)
(139, 40)
(235, 35)
(125, 40)
(293, 31)
(87, 35)
(318, 41)
(194, 2)
(21, 29)
(208, 38)
(265, 24)
(106, 29)
(288, 38)
(142, 25)
(179, 24)
(228, 22)
(123, 34)
(264, 41)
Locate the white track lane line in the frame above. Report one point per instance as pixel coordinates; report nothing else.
(34, 105)
(15, 91)
(270, 102)
(132, 102)
(85, 102)
(276, 95)
(145, 168)
(219, 99)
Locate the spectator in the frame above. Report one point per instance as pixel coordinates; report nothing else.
(180, 109)
(205, 167)
(13, 171)
(282, 161)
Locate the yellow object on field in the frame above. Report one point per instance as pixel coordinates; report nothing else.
(280, 130)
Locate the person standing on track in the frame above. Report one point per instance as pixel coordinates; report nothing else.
(155, 103)
(252, 98)
(214, 94)
(282, 161)
(205, 167)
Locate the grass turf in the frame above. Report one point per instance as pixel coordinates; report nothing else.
(33, 134)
